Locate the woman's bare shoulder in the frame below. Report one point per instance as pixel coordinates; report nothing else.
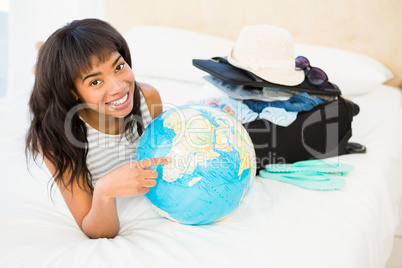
(152, 98)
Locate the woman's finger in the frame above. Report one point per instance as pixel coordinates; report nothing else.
(150, 173)
(149, 183)
(146, 163)
(143, 190)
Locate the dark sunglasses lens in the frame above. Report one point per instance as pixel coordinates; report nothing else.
(302, 62)
(316, 76)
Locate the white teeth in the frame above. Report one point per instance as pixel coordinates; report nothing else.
(118, 102)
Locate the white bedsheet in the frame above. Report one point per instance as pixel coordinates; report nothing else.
(278, 225)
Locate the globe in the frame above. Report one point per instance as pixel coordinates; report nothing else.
(212, 167)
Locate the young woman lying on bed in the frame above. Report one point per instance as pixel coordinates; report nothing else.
(88, 113)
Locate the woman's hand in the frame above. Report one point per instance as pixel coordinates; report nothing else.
(96, 213)
(131, 179)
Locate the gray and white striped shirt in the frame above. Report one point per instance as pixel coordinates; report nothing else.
(107, 152)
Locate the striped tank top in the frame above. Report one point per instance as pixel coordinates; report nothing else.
(107, 152)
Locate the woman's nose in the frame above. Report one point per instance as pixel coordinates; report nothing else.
(116, 86)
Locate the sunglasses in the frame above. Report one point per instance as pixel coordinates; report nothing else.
(315, 75)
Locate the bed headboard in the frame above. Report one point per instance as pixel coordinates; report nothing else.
(368, 27)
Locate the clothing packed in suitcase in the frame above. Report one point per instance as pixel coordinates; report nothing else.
(290, 109)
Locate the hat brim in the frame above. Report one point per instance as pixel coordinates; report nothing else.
(286, 77)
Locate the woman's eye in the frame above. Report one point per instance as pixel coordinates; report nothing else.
(95, 83)
(120, 67)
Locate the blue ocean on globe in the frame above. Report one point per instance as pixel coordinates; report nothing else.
(212, 167)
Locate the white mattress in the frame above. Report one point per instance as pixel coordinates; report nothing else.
(278, 225)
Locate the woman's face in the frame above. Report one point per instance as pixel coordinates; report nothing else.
(108, 88)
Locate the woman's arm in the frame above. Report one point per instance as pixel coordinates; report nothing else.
(96, 214)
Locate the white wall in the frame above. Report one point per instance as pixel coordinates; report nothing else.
(4, 5)
(371, 27)
(33, 21)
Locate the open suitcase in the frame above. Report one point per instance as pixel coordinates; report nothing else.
(319, 133)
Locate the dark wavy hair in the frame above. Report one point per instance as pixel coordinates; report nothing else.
(64, 56)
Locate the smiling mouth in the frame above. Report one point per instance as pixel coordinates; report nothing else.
(120, 101)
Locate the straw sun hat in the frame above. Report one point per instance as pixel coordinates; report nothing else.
(267, 52)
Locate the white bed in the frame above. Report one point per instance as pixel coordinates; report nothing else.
(278, 224)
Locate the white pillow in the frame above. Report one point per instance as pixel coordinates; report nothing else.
(166, 52)
(354, 73)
